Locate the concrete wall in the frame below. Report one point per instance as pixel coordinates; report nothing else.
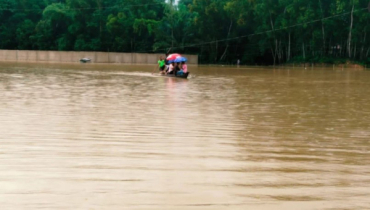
(96, 57)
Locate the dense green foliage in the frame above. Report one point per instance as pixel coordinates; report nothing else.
(219, 31)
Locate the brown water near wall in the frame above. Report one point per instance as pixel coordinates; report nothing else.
(75, 56)
(91, 136)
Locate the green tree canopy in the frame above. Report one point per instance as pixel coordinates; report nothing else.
(219, 31)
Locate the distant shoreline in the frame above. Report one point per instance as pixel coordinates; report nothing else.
(350, 65)
(74, 57)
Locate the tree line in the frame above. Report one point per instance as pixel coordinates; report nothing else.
(219, 31)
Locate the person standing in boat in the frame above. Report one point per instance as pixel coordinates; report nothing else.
(183, 69)
(167, 63)
(161, 65)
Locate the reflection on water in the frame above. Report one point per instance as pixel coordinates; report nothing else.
(117, 137)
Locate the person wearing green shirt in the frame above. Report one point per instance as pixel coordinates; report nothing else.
(161, 65)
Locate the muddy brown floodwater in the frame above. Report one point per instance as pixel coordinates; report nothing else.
(86, 136)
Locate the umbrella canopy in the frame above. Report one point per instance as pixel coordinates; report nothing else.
(173, 56)
(178, 60)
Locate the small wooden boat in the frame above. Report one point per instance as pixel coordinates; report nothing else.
(184, 76)
(85, 60)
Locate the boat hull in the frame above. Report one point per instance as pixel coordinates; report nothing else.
(184, 76)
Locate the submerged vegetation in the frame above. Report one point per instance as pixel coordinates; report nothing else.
(219, 31)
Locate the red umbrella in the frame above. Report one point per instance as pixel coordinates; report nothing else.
(173, 56)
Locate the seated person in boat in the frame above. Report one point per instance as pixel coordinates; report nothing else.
(170, 69)
(161, 65)
(183, 69)
(177, 68)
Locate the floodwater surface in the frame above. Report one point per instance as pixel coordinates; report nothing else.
(88, 136)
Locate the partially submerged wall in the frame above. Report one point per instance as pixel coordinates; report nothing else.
(96, 57)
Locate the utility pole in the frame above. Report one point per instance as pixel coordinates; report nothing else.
(171, 2)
